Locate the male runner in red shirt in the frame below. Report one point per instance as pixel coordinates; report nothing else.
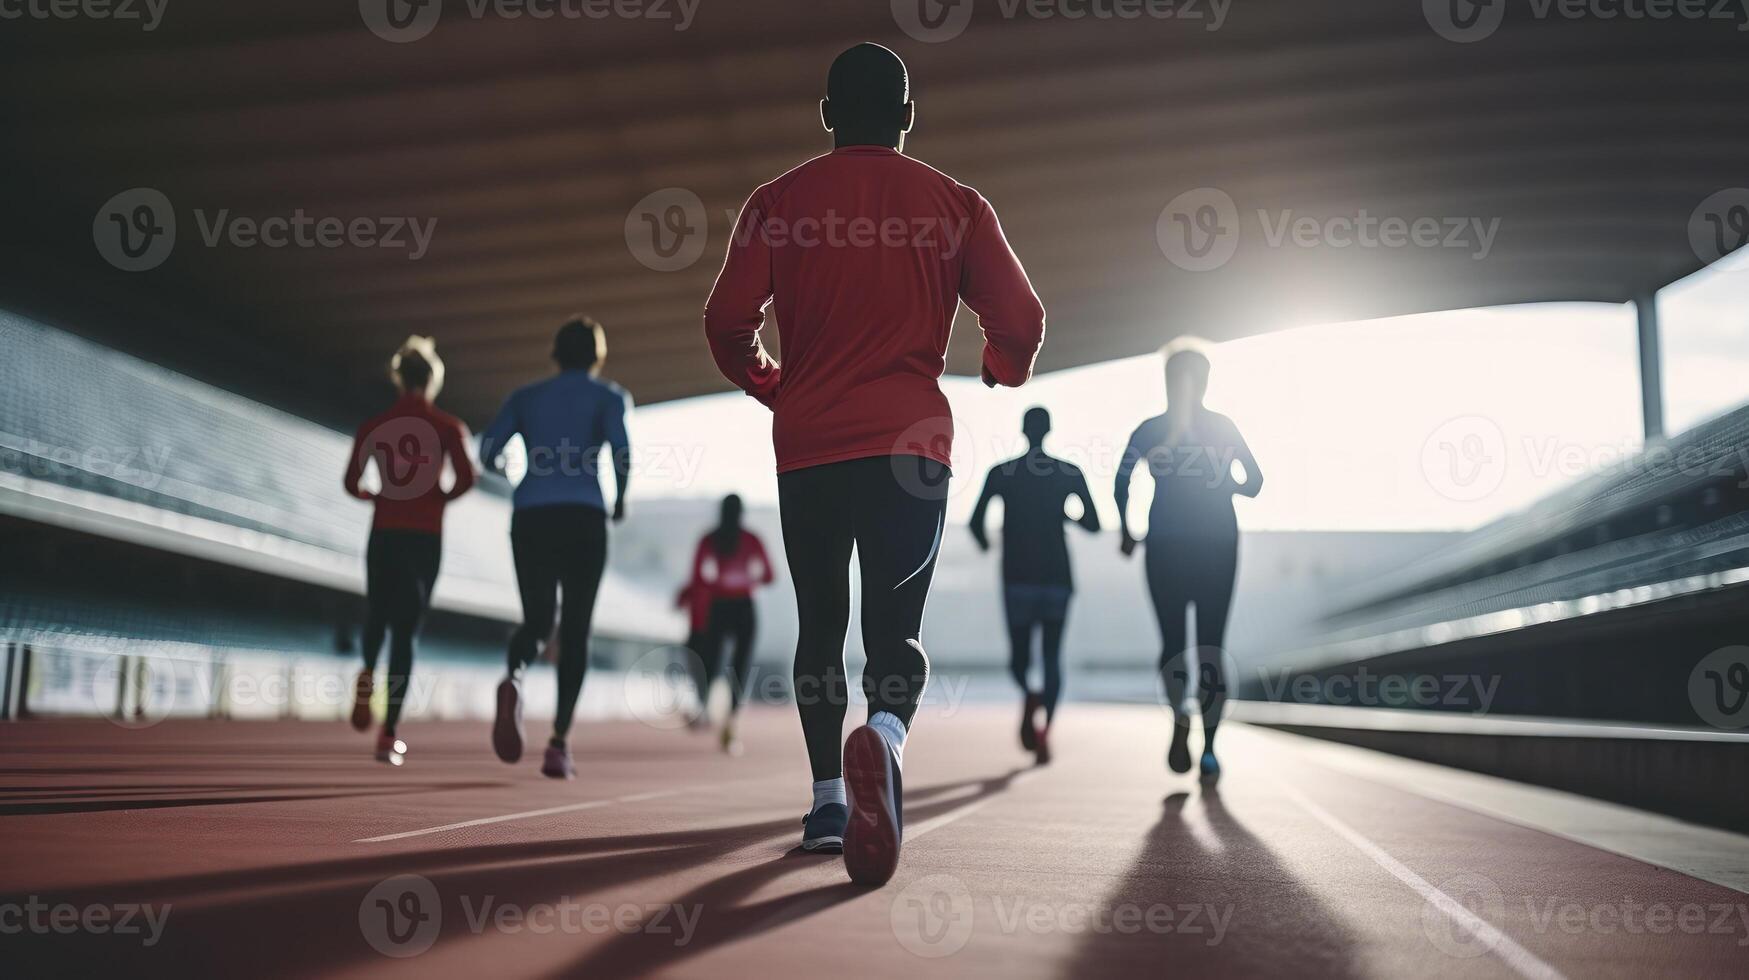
(865, 254)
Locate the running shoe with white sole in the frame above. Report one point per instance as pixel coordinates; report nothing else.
(876, 824)
(391, 749)
(823, 829)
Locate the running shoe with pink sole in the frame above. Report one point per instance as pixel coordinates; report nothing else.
(876, 826)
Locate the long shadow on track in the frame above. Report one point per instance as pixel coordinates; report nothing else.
(306, 919)
(1202, 862)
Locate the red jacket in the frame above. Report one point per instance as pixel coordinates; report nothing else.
(409, 442)
(864, 255)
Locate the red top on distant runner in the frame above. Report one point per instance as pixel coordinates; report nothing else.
(409, 443)
(865, 254)
(733, 576)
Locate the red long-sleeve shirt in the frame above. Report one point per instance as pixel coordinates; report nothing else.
(731, 576)
(864, 254)
(409, 443)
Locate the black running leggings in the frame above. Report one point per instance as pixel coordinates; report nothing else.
(1184, 570)
(558, 548)
(892, 510)
(731, 621)
(400, 568)
(1044, 616)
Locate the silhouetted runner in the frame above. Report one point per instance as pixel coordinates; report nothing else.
(558, 530)
(864, 254)
(1193, 540)
(409, 444)
(1036, 578)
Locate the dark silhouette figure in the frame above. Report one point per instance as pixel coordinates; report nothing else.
(409, 444)
(862, 432)
(1193, 539)
(728, 565)
(1036, 577)
(558, 528)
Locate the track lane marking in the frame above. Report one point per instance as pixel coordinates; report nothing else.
(941, 820)
(527, 814)
(1521, 960)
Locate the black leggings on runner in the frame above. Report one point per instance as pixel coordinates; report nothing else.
(400, 569)
(558, 548)
(892, 509)
(731, 621)
(1199, 570)
(1043, 611)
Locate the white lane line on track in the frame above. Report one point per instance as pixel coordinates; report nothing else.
(942, 820)
(526, 814)
(1521, 960)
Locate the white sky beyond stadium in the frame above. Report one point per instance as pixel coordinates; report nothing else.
(1433, 421)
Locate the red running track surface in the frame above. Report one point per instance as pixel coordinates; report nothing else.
(277, 849)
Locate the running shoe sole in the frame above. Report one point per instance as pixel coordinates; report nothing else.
(361, 692)
(1178, 756)
(871, 840)
(560, 769)
(507, 727)
(824, 845)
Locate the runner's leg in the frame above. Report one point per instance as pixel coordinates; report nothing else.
(815, 508)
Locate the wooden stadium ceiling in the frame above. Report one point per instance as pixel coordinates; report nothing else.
(529, 142)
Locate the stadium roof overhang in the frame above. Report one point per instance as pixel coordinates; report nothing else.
(1558, 158)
